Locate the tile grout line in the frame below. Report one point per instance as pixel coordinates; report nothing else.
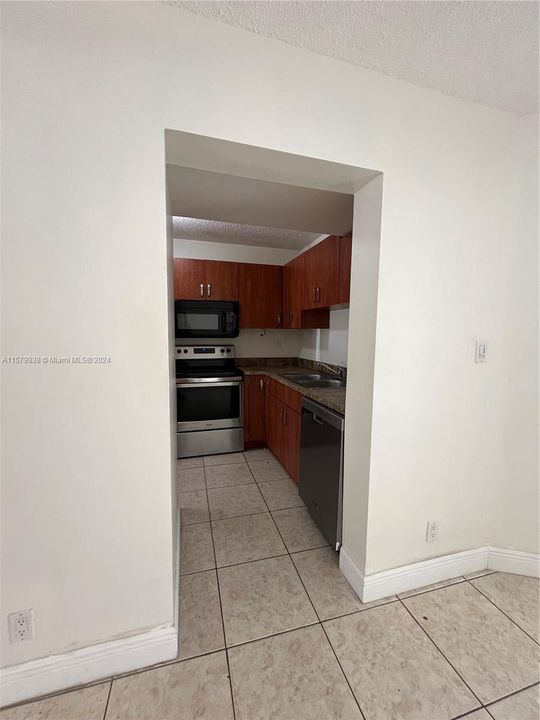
(441, 652)
(107, 703)
(514, 692)
(220, 603)
(424, 592)
(502, 611)
(320, 623)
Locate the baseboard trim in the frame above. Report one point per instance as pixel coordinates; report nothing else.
(79, 667)
(409, 577)
(514, 561)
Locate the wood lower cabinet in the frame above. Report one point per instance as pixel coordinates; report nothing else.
(260, 294)
(205, 279)
(283, 425)
(254, 408)
(291, 442)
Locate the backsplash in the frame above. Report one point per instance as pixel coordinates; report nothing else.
(256, 343)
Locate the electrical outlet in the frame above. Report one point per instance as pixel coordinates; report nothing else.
(21, 626)
(432, 530)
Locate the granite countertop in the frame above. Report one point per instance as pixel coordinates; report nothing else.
(333, 398)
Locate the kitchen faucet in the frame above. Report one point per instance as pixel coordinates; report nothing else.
(335, 370)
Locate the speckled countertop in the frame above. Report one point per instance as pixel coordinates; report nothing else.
(329, 397)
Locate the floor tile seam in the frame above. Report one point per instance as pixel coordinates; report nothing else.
(328, 639)
(240, 484)
(503, 612)
(57, 693)
(511, 694)
(442, 587)
(221, 607)
(441, 653)
(250, 562)
(321, 624)
(239, 462)
(232, 646)
(464, 716)
(107, 702)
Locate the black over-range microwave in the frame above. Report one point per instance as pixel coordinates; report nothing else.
(206, 319)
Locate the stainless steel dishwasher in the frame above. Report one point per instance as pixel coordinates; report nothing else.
(321, 467)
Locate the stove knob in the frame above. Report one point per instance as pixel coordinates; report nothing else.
(229, 350)
(222, 350)
(185, 351)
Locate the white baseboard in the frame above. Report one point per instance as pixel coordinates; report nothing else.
(59, 672)
(514, 561)
(409, 577)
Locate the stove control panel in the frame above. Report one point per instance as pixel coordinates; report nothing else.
(208, 352)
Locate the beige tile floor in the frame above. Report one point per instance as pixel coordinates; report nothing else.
(271, 630)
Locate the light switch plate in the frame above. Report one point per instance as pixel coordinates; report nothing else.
(480, 352)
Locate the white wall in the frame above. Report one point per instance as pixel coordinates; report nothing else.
(86, 97)
(329, 346)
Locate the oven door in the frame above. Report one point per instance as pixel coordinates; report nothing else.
(209, 405)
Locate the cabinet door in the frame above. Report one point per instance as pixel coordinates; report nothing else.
(293, 293)
(321, 273)
(221, 280)
(254, 408)
(309, 272)
(326, 271)
(291, 437)
(260, 291)
(273, 425)
(189, 279)
(345, 254)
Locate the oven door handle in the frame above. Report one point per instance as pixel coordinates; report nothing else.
(207, 382)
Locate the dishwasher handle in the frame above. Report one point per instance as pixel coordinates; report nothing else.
(318, 419)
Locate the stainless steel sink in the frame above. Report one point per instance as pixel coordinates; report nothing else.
(304, 377)
(324, 383)
(315, 380)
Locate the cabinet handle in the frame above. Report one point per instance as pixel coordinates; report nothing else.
(318, 295)
(202, 289)
(279, 318)
(314, 295)
(208, 289)
(261, 384)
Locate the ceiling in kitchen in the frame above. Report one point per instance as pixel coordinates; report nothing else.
(484, 51)
(236, 199)
(212, 231)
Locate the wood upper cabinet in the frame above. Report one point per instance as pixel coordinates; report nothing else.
(345, 255)
(260, 294)
(205, 280)
(321, 275)
(189, 279)
(293, 293)
(254, 408)
(221, 279)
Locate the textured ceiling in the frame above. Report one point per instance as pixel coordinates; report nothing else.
(485, 51)
(193, 229)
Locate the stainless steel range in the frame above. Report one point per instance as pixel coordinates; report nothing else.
(209, 401)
